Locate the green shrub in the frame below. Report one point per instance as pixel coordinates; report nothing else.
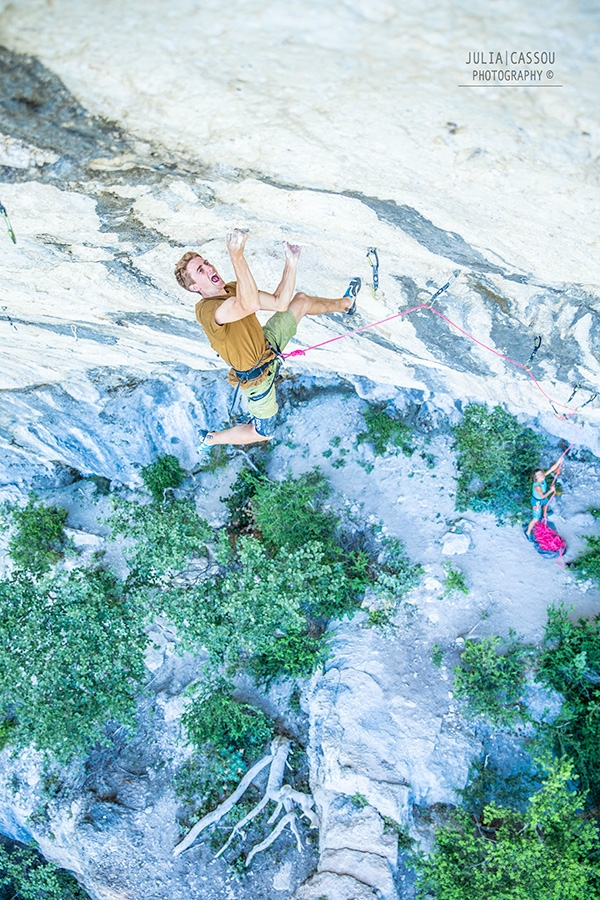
(216, 718)
(588, 564)
(383, 432)
(39, 539)
(491, 677)
(547, 852)
(570, 663)
(228, 737)
(496, 456)
(163, 475)
(165, 536)
(24, 874)
(295, 654)
(437, 656)
(71, 658)
(290, 513)
(396, 574)
(454, 580)
(257, 605)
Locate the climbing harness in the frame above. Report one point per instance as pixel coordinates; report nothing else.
(536, 346)
(374, 263)
(255, 372)
(9, 227)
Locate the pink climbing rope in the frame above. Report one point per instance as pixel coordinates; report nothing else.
(356, 331)
(572, 411)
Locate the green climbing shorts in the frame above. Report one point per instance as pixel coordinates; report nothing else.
(279, 331)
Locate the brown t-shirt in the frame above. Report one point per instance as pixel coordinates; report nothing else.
(242, 344)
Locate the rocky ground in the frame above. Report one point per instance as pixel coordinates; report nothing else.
(383, 724)
(130, 135)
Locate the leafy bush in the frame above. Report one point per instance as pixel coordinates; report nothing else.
(255, 601)
(290, 513)
(570, 663)
(492, 681)
(163, 475)
(396, 575)
(454, 580)
(437, 656)
(71, 658)
(228, 737)
(547, 852)
(496, 456)
(588, 564)
(216, 718)
(382, 432)
(24, 874)
(39, 538)
(165, 535)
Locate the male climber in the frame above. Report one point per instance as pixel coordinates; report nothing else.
(227, 315)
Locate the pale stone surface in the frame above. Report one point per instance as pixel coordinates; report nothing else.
(334, 887)
(340, 125)
(455, 544)
(369, 868)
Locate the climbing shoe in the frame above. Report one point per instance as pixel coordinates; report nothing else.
(204, 447)
(352, 291)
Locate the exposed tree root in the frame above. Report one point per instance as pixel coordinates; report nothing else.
(283, 795)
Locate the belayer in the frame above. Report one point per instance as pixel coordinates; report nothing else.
(227, 311)
(541, 495)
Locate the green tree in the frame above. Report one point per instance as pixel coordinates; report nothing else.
(570, 663)
(39, 538)
(164, 536)
(256, 604)
(496, 456)
(25, 875)
(548, 852)
(228, 737)
(71, 658)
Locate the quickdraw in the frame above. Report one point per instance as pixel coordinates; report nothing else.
(592, 398)
(536, 346)
(9, 227)
(444, 287)
(374, 263)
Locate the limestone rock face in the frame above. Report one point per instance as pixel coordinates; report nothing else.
(130, 136)
(375, 752)
(455, 544)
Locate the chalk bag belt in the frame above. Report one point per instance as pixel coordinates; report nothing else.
(250, 374)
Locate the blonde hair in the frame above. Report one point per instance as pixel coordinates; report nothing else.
(184, 279)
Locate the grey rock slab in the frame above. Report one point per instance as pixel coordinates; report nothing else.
(335, 887)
